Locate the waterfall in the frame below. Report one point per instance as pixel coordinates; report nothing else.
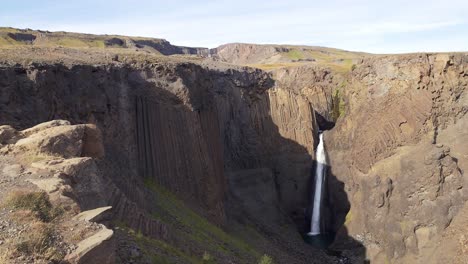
(319, 177)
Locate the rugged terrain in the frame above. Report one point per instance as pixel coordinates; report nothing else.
(195, 158)
(404, 160)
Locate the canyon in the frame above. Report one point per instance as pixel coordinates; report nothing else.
(194, 155)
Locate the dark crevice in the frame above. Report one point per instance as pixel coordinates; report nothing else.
(323, 123)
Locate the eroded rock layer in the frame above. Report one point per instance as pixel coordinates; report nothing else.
(398, 149)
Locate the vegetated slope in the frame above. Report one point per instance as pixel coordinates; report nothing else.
(11, 37)
(261, 56)
(277, 56)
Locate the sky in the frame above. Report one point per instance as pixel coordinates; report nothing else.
(376, 26)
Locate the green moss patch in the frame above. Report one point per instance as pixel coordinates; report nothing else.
(339, 107)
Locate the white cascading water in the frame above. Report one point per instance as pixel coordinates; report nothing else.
(319, 175)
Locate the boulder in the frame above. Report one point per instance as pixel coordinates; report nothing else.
(94, 215)
(7, 135)
(44, 126)
(84, 176)
(62, 140)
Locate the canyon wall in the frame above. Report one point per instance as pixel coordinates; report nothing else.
(400, 149)
(397, 153)
(213, 136)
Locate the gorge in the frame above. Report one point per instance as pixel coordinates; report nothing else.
(220, 159)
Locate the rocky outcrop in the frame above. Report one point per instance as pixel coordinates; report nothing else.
(318, 85)
(61, 140)
(49, 167)
(275, 56)
(98, 248)
(166, 48)
(238, 53)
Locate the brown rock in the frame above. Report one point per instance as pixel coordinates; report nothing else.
(58, 139)
(44, 126)
(98, 248)
(92, 142)
(7, 135)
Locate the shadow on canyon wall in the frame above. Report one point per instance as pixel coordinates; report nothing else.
(224, 155)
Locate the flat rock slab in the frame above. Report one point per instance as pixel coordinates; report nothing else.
(12, 171)
(49, 185)
(94, 249)
(92, 215)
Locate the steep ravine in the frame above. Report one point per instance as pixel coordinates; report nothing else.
(225, 141)
(215, 159)
(399, 148)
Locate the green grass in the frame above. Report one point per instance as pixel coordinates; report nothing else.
(173, 211)
(160, 252)
(40, 242)
(339, 106)
(336, 60)
(272, 66)
(348, 218)
(98, 44)
(36, 202)
(146, 242)
(208, 259)
(294, 54)
(265, 259)
(73, 42)
(7, 41)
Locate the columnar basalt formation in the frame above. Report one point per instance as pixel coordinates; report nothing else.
(392, 150)
(202, 133)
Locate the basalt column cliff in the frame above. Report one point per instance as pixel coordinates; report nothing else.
(192, 153)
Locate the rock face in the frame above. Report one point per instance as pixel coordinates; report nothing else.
(49, 164)
(238, 53)
(318, 85)
(98, 248)
(394, 150)
(283, 55)
(198, 131)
